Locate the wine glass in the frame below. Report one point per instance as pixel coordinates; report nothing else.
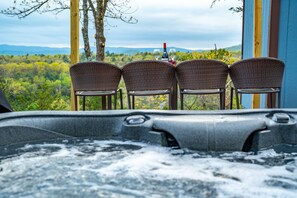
(172, 53)
(157, 53)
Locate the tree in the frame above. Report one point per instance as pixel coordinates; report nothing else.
(85, 30)
(234, 9)
(100, 11)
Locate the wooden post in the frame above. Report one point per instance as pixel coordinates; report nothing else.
(257, 42)
(74, 38)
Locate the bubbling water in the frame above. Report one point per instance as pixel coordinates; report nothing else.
(90, 168)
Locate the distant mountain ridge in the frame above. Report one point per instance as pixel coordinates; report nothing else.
(234, 48)
(31, 50)
(23, 50)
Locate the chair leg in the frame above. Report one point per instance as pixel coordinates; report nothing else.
(222, 99)
(129, 101)
(109, 99)
(279, 99)
(237, 99)
(169, 101)
(115, 100)
(181, 101)
(75, 102)
(121, 99)
(231, 98)
(133, 102)
(84, 103)
(103, 102)
(269, 96)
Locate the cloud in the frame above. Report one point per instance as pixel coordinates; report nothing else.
(187, 23)
(37, 29)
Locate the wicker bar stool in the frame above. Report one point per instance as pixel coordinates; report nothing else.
(148, 78)
(202, 77)
(257, 76)
(96, 79)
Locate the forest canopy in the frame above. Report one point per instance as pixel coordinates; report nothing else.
(42, 82)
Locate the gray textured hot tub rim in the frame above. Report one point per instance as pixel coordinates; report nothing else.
(240, 130)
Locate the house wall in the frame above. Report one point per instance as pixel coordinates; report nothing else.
(288, 51)
(248, 40)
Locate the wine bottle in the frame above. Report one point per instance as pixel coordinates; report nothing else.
(165, 54)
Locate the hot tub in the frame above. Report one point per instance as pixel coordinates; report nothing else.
(148, 154)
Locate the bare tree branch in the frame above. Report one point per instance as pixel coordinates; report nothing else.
(237, 9)
(27, 7)
(100, 10)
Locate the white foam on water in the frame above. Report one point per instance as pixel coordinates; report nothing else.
(109, 168)
(234, 178)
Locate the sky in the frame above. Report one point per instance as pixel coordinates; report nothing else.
(190, 24)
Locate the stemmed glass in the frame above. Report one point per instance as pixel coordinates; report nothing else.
(172, 53)
(157, 53)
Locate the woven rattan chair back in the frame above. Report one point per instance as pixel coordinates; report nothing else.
(148, 78)
(202, 74)
(94, 76)
(257, 75)
(202, 77)
(95, 79)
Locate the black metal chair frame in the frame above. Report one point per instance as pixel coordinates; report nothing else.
(221, 93)
(254, 91)
(107, 94)
(133, 94)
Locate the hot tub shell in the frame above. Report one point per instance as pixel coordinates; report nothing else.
(240, 130)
